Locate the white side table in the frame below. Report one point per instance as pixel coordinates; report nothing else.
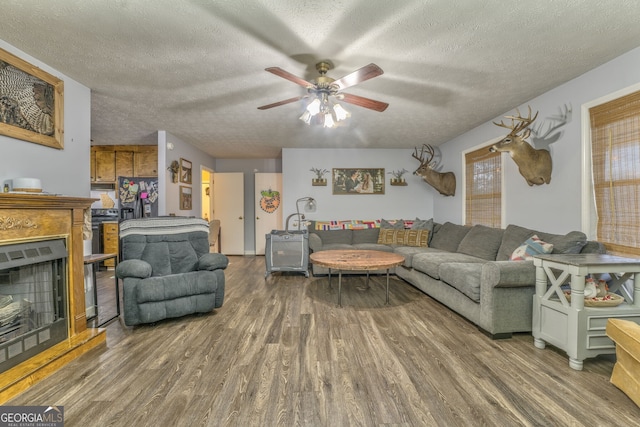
(572, 327)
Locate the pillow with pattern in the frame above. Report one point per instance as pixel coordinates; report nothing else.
(394, 236)
(532, 246)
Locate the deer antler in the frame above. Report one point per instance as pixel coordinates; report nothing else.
(523, 122)
(430, 152)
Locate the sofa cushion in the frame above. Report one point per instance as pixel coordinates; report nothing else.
(369, 235)
(593, 247)
(449, 235)
(531, 247)
(482, 241)
(408, 252)
(514, 236)
(429, 262)
(570, 243)
(464, 276)
(336, 246)
(373, 247)
(334, 236)
(175, 286)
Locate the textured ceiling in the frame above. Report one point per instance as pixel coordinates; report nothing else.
(195, 68)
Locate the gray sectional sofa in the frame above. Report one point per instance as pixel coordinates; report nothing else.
(466, 268)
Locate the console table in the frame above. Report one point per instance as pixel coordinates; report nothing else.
(93, 260)
(572, 327)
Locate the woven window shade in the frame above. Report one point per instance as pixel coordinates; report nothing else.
(615, 151)
(483, 188)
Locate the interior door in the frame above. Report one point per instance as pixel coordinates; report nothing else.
(228, 207)
(268, 212)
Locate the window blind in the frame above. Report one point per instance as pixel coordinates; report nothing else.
(615, 153)
(483, 188)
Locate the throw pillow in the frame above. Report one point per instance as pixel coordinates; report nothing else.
(416, 238)
(422, 224)
(399, 224)
(390, 236)
(532, 246)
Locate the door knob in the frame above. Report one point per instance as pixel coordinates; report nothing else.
(257, 217)
(239, 217)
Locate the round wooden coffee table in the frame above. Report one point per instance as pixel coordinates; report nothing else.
(355, 259)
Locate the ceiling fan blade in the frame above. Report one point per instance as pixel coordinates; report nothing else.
(279, 103)
(365, 73)
(364, 102)
(287, 75)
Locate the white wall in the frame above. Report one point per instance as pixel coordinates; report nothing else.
(180, 149)
(64, 171)
(414, 200)
(556, 207)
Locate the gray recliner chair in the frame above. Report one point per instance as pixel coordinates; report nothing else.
(167, 270)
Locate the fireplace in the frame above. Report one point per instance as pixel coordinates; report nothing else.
(32, 299)
(42, 275)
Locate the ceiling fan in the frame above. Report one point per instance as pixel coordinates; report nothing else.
(323, 87)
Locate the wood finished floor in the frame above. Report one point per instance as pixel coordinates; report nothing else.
(281, 353)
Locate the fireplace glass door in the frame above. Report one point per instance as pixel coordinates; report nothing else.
(32, 299)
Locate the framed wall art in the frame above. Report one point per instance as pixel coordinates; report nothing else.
(358, 180)
(185, 171)
(32, 102)
(185, 198)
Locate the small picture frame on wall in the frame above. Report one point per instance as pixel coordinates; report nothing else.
(185, 198)
(358, 180)
(185, 171)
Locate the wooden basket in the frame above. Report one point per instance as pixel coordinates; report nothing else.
(615, 300)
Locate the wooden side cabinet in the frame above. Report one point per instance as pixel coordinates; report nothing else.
(110, 241)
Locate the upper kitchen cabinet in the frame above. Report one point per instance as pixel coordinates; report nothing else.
(145, 161)
(105, 168)
(108, 162)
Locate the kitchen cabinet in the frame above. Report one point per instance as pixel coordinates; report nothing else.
(108, 162)
(105, 166)
(124, 163)
(145, 162)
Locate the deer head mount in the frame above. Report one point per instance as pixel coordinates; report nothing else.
(445, 182)
(534, 165)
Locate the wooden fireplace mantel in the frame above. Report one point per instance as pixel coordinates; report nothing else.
(31, 217)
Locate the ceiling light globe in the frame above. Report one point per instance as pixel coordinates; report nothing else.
(341, 113)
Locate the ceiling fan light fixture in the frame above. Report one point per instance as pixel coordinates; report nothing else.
(341, 113)
(306, 117)
(328, 121)
(314, 107)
